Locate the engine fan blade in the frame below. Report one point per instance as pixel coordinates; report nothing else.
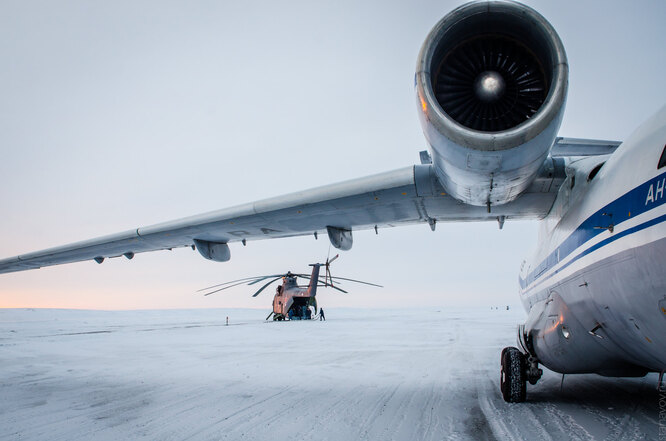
(491, 83)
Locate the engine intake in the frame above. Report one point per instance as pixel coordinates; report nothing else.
(491, 84)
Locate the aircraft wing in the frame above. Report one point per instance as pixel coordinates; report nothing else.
(404, 196)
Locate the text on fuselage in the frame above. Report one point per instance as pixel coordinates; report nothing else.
(655, 192)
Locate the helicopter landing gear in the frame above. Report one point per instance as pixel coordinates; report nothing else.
(513, 375)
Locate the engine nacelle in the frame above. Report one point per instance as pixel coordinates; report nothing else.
(215, 251)
(491, 84)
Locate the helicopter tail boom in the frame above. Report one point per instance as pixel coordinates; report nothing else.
(314, 279)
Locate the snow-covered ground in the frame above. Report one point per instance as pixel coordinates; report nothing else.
(363, 374)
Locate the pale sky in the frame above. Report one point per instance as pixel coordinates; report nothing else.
(121, 114)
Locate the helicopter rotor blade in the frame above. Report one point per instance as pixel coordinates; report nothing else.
(223, 288)
(266, 277)
(335, 287)
(231, 281)
(326, 281)
(323, 281)
(265, 286)
(306, 276)
(357, 281)
(302, 276)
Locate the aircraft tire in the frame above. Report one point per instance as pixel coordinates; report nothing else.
(512, 380)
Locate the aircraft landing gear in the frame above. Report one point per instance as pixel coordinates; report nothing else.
(532, 372)
(512, 380)
(517, 370)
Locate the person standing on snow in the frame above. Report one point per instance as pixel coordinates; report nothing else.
(321, 314)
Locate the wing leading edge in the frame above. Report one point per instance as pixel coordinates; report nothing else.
(404, 196)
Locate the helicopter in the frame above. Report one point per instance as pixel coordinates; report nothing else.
(291, 300)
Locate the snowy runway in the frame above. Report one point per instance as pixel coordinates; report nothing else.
(364, 374)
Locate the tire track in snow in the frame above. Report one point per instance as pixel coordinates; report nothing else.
(567, 423)
(240, 412)
(377, 379)
(502, 420)
(376, 411)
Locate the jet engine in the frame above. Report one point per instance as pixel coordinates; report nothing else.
(491, 83)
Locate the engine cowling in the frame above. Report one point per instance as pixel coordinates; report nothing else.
(491, 83)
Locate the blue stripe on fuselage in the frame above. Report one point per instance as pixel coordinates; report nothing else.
(639, 200)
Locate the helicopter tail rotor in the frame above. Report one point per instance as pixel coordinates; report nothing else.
(328, 270)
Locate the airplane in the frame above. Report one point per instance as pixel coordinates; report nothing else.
(491, 86)
(291, 301)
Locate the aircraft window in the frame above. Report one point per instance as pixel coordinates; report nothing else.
(662, 160)
(594, 172)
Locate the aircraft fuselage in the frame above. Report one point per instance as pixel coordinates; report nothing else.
(595, 290)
